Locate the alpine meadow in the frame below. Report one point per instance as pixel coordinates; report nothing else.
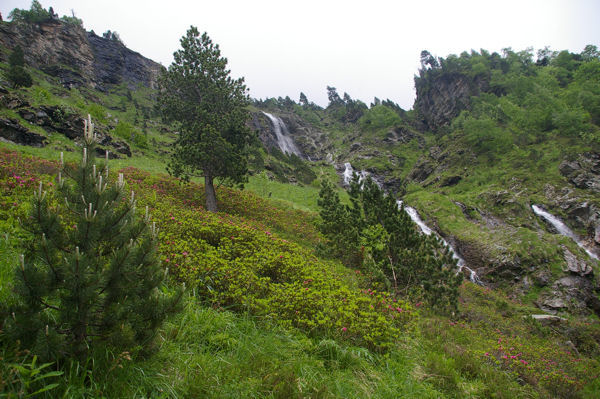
(164, 234)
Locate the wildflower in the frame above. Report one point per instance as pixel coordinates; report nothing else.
(344, 329)
(487, 353)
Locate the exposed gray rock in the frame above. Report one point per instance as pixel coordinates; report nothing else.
(442, 99)
(547, 319)
(573, 293)
(542, 277)
(77, 57)
(584, 172)
(575, 265)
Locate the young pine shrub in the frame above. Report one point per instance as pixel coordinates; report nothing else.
(374, 234)
(91, 274)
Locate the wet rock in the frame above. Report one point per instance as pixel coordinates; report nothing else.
(575, 265)
(11, 130)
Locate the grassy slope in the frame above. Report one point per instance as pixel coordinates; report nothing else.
(212, 352)
(218, 353)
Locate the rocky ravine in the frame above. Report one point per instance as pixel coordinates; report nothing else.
(76, 57)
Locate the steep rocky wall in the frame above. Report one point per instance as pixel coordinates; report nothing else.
(443, 97)
(78, 57)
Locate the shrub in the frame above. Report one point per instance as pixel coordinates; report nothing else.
(374, 234)
(91, 273)
(247, 269)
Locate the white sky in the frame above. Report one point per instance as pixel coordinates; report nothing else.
(366, 48)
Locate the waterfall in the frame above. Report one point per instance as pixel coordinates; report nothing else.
(562, 229)
(348, 171)
(460, 262)
(284, 141)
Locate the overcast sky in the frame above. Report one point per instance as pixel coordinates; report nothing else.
(366, 48)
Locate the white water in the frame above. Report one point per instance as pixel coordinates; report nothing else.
(460, 262)
(562, 228)
(284, 141)
(348, 171)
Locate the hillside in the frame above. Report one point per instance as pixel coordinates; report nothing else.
(492, 143)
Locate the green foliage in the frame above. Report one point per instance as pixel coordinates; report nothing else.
(379, 117)
(198, 94)
(250, 270)
(91, 273)
(16, 73)
(484, 135)
(35, 14)
(374, 233)
(128, 132)
(27, 380)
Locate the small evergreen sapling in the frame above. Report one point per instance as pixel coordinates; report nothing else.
(92, 274)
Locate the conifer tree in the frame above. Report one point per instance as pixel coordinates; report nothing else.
(16, 73)
(91, 274)
(199, 95)
(388, 242)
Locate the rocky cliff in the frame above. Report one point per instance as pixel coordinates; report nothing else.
(440, 98)
(77, 57)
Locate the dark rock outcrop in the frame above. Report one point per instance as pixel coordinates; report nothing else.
(421, 171)
(77, 57)
(11, 130)
(443, 97)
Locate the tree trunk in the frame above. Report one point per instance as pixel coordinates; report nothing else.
(211, 197)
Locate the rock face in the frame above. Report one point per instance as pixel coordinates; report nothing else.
(53, 119)
(584, 172)
(311, 141)
(77, 57)
(575, 265)
(573, 292)
(12, 131)
(442, 99)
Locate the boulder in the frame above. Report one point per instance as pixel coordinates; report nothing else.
(575, 265)
(547, 319)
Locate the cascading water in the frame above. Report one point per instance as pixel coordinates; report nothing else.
(460, 262)
(284, 141)
(562, 229)
(348, 171)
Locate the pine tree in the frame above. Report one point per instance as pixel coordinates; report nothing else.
(92, 274)
(16, 73)
(389, 243)
(209, 106)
